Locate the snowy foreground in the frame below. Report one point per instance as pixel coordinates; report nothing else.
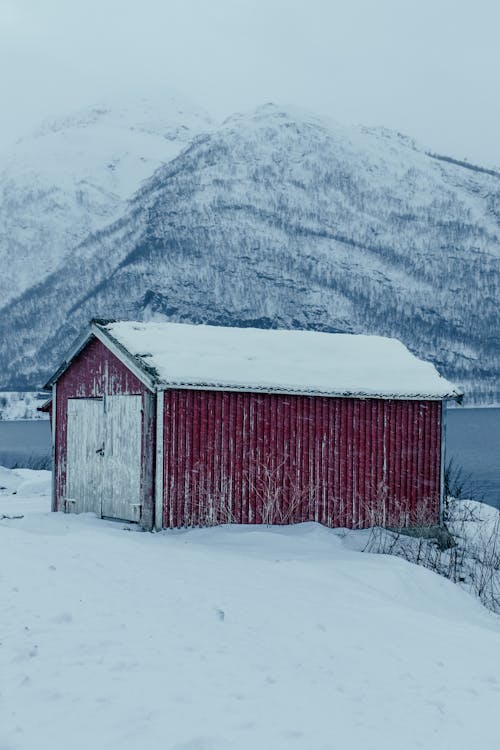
(235, 637)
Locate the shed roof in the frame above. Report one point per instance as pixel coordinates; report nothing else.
(211, 357)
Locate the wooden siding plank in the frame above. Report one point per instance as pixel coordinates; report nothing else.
(404, 454)
(397, 454)
(329, 461)
(361, 463)
(231, 405)
(53, 435)
(337, 495)
(147, 466)
(238, 456)
(320, 499)
(85, 440)
(441, 456)
(173, 450)
(123, 457)
(159, 491)
(245, 455)
(168, 425)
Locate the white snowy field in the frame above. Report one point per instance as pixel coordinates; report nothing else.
(230, 638)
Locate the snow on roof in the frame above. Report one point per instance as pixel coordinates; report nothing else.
(306, 362)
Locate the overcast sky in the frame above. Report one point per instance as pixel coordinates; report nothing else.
(429, 68)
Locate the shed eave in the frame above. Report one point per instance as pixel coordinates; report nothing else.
(46, 406)
(164, 385)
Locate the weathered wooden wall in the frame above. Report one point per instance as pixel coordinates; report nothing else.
(252, 458)
(96, 372)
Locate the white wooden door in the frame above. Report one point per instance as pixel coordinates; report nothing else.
(84, 464)
(122, 457)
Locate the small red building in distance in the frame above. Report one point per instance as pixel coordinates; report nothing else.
(173, 425)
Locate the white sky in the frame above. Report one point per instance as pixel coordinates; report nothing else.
(429, 68)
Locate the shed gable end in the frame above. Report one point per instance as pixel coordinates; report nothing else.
(97, 373)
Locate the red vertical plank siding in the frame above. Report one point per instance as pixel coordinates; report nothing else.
(407, 462)
(314, 450)
(195, 470)
(180, 455)
(351, 468)
(309, 488)
(326, 462)
(341, 443)
(345, 439)
(437, 434)
(255, 466)
(288, 432)
(255, 458)
(429, 457)
(415, 452)
(251, 469)
(281, 472)
(397, 450)
(428, 447)
(301, 461)
(389, 455)
(434, 439)
(434, 447)
(228, 450)
(424, 457)
(194, 486)
(360, 463)
(421, 488)
(169, 450)
(404, 453)
(238, 454)
(218, 454)
(96, 372)
(244, 478)
(336, 498)
(314, 460)
(375, 451)
(381, 497)
(319, 480)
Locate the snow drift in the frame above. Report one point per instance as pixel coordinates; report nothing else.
(232, 637)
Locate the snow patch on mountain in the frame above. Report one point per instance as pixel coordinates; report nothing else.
(74, 174)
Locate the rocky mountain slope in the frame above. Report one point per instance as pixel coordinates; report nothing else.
(74, 175)
(280, 219)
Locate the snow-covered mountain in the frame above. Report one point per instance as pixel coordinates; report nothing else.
(277, 218)
(74, 175)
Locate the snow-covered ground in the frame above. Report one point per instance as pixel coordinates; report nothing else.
(233, 637)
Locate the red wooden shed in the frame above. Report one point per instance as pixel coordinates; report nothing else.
(173, 425)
